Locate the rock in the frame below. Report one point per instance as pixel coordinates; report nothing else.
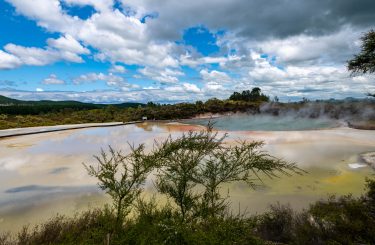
(369, 158)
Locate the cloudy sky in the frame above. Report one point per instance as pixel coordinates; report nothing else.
(181, 50)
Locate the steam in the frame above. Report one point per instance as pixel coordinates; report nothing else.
(346, 110)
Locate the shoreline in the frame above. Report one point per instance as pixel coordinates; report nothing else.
(14, 132)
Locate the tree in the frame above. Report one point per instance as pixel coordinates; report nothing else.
(254, 95)
(180, 167)
(122, 176)
(364, 62)
(195, 166)
(255, 92)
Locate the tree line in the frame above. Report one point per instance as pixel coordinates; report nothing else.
(47, 114)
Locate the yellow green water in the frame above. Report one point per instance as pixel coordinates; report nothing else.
(41, 175)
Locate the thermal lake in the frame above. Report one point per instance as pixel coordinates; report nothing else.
(42, 174)
(264, 122)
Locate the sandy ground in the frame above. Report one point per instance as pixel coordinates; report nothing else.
(42, 174)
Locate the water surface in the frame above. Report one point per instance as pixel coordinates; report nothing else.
(41, 175)
(266, 122)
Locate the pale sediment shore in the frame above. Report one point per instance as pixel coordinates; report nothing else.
(47, 129)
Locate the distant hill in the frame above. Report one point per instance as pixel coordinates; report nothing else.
(27, 107)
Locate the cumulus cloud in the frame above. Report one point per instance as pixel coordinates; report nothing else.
(313, 81)
(53, 80)
(185, 87)
(117, 69)
(188, 60)
(69, 44)
(256, 19)
(334, 47)
(65, 48)
(110, 79)
(47, 13)
(291, 47)
(8, 61)
(117, 36)
(32, 56)
(215, 76)
(161, 75)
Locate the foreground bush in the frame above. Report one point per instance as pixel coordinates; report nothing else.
(343, 220)
(150, 226)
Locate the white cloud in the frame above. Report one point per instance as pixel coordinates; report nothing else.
(69, 44)
(185, 87)
(39, 90)
(161, 75)
(110, 79)
(47, 13)
(94, 77)
(8, 61)
(117, 69)
(117, 37)
(210, 86)
(187, 59)
(53, 80)
(64, 48)
(310, 49)
(32, 56)
(215, 76)
(333, 47)
(190, 87)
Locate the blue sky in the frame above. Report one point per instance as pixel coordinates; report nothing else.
(110, 51)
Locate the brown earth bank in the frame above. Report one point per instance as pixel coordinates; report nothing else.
(365, 125)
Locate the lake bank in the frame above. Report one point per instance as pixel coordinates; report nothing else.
(48, 129)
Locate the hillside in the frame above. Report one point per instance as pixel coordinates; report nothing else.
(22, 107)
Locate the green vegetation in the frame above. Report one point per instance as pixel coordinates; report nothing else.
(16, 114)
(342, 220)
(20, 107)
(122, 176)
(364, 62)
(194, 167)
(254, 95)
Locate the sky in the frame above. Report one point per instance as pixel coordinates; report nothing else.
(168, 51)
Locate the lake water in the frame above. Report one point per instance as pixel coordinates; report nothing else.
(265, 122)
(41, 175)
